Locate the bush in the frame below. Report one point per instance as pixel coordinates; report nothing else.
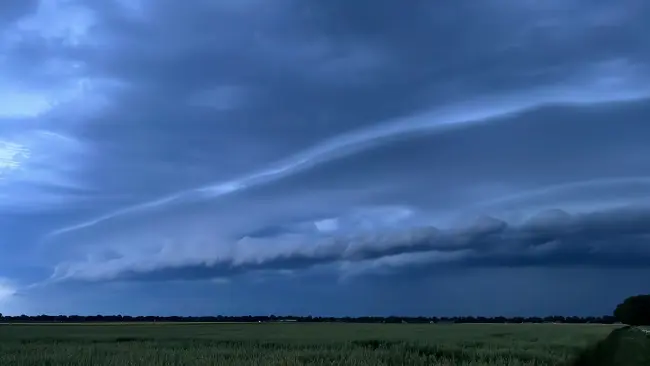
(623, 347)
(634, 310)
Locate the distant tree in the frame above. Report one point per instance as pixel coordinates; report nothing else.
(635, 310)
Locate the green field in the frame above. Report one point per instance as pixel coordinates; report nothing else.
(294, 344)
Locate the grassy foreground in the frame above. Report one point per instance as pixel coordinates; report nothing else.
(295, 344)
(626, 346)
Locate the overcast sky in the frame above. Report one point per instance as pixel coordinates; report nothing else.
(365, 157)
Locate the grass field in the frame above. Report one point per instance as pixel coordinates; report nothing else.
(294, 344)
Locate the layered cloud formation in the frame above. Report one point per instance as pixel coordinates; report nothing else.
(365, 144)
(551, 238)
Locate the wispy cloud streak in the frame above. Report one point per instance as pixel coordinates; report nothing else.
(593, 91)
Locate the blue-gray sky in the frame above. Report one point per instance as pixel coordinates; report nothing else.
(366, 157)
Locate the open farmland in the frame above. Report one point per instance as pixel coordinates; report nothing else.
(294, 344)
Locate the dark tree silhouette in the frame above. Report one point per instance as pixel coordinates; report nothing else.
(302, 319)
(635, 310)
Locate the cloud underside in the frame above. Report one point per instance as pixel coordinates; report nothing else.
(615, 238)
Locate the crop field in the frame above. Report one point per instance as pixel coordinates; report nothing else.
(294, 344)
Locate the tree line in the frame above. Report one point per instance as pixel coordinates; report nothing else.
(635, 310)
(301, 319)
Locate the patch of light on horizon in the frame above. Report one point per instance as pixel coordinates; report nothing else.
(12, 155)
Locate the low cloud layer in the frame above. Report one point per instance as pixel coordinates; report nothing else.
(156, 143)
(614, 238)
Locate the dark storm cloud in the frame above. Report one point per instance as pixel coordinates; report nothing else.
(546, 149)
(328, 68)
(12, 10)
(615, 238)
(229, 139)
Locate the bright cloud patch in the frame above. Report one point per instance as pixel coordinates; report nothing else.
(20, 104)
(11, 157)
